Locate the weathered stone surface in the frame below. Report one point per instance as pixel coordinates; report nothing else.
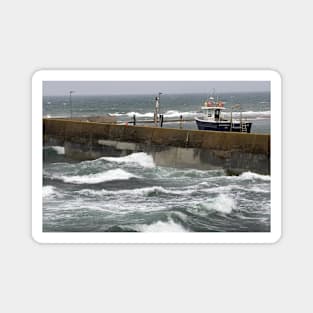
(235, 152)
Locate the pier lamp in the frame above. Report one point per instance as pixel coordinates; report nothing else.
(71, 91)
(157, 108)
(159, 97)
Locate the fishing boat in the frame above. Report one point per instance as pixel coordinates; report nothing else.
(212, 118)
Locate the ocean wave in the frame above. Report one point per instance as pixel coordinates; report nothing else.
(182, 216)
(141, 158)
(58, 149)
(131, 114)
(217, 189)
(243, 177)
(222, 203)
(145, 192)
(164, 227)
(258, 189)
(157, 191)
(110, 175)
(48, 191)
(168, 114)
(177, 114)
(254, 176)
(250, 114)
(231, 188)
(178, 173)
(55, 116)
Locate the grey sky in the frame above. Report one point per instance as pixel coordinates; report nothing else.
(150, 87)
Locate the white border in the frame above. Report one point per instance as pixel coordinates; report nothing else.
(155, 75)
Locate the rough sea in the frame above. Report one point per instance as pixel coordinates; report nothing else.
(131, 193)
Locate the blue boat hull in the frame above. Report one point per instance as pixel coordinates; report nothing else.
(222, 126)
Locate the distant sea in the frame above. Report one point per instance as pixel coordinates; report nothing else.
(255, 107)
(131, 193)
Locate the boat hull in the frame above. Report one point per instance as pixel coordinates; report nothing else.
(222, 126)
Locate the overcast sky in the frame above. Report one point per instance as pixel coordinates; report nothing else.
(150, 87)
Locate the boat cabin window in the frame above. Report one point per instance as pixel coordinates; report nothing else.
(207, 113)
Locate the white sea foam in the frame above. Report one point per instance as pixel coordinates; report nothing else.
(58, 149)
(189, 173)
(168, 114)
(218, 189)
(110, 175)
(204, 185)
(258, 189)
(176, 114)
(55, 116)
(140, 158)
(164, 227)
(239, 189)
(232, 188)
(255, 113)
(244, 176)
(48, 191)
(253, 176)
(248, 114)
(147, 191)
(222, 203)
(131, 114)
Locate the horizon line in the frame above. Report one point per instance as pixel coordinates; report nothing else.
(149, 94)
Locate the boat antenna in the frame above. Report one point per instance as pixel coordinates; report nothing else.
(212, 96)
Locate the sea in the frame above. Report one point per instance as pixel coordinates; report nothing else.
(132, 194)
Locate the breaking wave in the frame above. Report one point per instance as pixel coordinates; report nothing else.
(253, 176)
(168, 114)
(222, 203)
(48, 191)
(165, 227)
(177, 114)
(250, 114)
(58, 149)
(146, 192)
(174, 113)
(140, 158)
(110, 175)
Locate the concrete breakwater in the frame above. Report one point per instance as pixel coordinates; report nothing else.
(235, 152)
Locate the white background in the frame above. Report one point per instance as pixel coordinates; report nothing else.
(159, 34)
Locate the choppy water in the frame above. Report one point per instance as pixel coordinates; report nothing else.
(132, 194)
(255, 107)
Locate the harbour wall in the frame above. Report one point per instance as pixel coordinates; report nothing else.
(234, 152)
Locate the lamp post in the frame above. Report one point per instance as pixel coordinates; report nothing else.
(71, 91)
(157, 108)
(159, 97)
